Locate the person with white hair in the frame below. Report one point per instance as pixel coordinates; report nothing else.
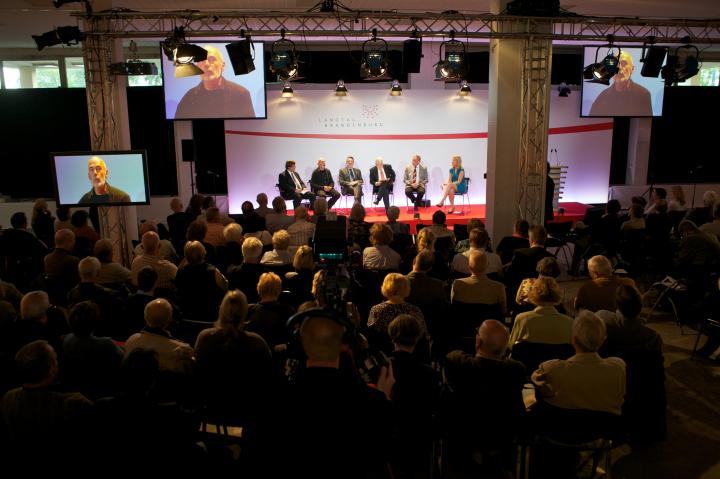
(703, 214)
(245, 276)
(89, 290)
(151, 257)
(61, 266)
(585, 381)
(280, 255)
(600, 292)
(478, 288)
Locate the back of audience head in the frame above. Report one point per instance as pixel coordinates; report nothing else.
(233, 310)
(405, 331)
(208, 202)
(158, 313)
(629, 301)
(321, 339)
(233, 233)
(269, 287)
(537, 235)
(522, 228)
(304, 259)
(84, 318)
(194, 252)
(600, 267)
(146, 226)
(281, 240)
(103, 251)
(357, 213)
(678, 194)
(65, 239)
(425, 240)
(278, 205)
(252, 250)
(424, 261)
(393, 213)
(34, 306)
(318, 287)
(638, 200)
(438, 218)
(380, 234)
(548, 267)
(477, 262)
(196, 231)
(37, 363)
(62, 213)
(474, 223)
(320, 206)
(613, 207)
(709, 198)
(637, 211)
(478, 238)
(79, 218)
(146, 279)
(212, 215)
(545, 292)
(660, 193)
(19, 220)
(195, 205)
(247, 207)
(687, 227)
(151, 242)
(261, 199)
(176, 205)
(89, 269)
(395, 287)
(139, 371)
(492, 339)
(588, 332)
(300, 213)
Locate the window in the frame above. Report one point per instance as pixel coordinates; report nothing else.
(31, 74)
(147, 80)
(709, 75)
(75, 72)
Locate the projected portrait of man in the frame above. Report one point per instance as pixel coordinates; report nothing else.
(215, 96)
(623, 97)
(101, 191)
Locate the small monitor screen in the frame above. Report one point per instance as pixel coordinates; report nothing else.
(102, 178)
(216, 93)
(628, 94)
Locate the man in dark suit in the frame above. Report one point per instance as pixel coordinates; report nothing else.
(292, 187)
(178, 223)
(322, 184)
(525, 260)
(350, 179)
(61, 267)
(382, 178)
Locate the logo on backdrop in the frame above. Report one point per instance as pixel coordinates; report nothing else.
(369, 117)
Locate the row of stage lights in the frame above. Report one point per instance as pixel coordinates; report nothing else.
(395, 89)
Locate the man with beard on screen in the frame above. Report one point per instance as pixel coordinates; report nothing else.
(215, 96)
(101, 191)
(624, 97)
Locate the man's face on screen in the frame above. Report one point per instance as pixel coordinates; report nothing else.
(97, 172)
(625, 68)
(213, 66)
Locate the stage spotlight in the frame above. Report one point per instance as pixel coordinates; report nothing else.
(189, 53)
(602, 72)
(174, 40)
(395, 88)
(652, 58)
(65, 35)
(134, 65)
(563, 90)
(242, 53)
(464, 89)
(287, 91)
(375, 61)
(283, 60)
(341, 89)
(683, 64)
(453, 66)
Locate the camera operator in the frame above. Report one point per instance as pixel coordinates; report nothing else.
(337, 426)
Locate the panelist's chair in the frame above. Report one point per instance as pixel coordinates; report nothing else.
(346, 194)
(465, 197)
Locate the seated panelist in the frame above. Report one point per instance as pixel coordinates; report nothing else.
(382, 178)
(322, 183)
(292, 187)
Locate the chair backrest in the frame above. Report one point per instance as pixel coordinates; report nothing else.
(464, 318)
(533, 354)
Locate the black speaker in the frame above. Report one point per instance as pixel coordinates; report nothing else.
(188, 150)
(241, 57)
(412, 54)
(652, 63)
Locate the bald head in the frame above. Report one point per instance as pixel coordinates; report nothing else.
(478, 262)
(150, 242)
(65, 239)
(492, 339)
(322, 341)
(158, 313)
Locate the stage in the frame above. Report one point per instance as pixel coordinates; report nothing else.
(572, 212)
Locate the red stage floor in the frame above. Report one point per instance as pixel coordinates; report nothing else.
(573, 212)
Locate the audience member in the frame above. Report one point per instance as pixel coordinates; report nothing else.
(426, 292)
(703, 214)
(22, 253)
(166, 250)
(278, 219)
(301, 230)
(525, 260)
(464, 245)
(110, 272)
(197, 231)
(478, 241)
(230, 252)
(109, 301)
(268, 317)
(478, 288)
(215, 226)
(659, 202)
(63, 218)
(393, 213)
(280, 255)
(543, 324)
(42, 223)
(61, 272)
(151, 257)
(178, 223)
(200, 285)
(245, 276)
(262, 210)
(439, 229)
(299, 282)
(677, 203)
(380, 256)
(396, 289)
(546, 267)
(713, 228)
(600, 292)
(136, 302)
(637, 219)
(359, 230)
(38, 320)
(518, 240)
(85, 235)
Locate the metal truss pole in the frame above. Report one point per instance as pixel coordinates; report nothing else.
(537, 60)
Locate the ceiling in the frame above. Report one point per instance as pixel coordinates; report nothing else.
(19, 19)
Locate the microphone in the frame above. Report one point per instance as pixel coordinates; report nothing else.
(212, 173)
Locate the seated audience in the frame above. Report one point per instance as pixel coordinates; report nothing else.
(151, 257)
(136, 302)
(478, 288)
(215, 226)
(166, 250)
(359, 230)
(396, 289)
(200, 285)
(278, 219)
(178, 223)
(197, 231)
(606, 230)
(301, 230)
(546, 267)
(262, 210)
(637, 219)
(109, 301)
(83, 231)
(713, 228)
(245, 276)
(250, 220)
(677, 203)
(230, 252)
(600, 292)
(626, 331)
(659, 202)
(61, 272)
(525, 260)
(299, 282)
(380, 255)
(63, 218)
(543, 324)
(519, 239)
(393, 213)
(439, 229)
(268, 317)
(478, 241)
(426, 292)
(42, 223)
(280, 255)
(703, 214)
(21, 253)
(464, 245)
(38, 320)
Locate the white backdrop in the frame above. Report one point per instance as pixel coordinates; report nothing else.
(435, 124)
